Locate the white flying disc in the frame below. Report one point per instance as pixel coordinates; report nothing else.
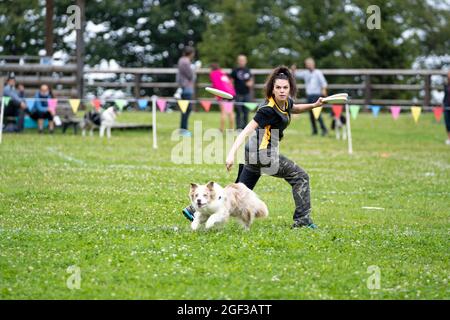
(340, 98)
(219, 93)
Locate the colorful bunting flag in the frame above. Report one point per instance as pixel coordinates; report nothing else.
(228, 106)
(161, 103)
(337, 110)
(184, 104)
(52, 105)
(354, 110)
(316, 112)
(416, 113)
(6, 100)
(120, 103)
(375, 110)
(438, 113)
(251, 105)
(142, 103)
(74, 103)
(395, 111)
(205, 104)
(30, 104)
(96, 103)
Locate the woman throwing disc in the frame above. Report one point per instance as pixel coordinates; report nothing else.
(262, 150)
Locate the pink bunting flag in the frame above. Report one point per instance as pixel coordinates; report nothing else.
(228, 106)
(438, 113)
(161, 103)
(97, 104)
(337, 110)
(206, 105)
(52, 105)
(395, 111)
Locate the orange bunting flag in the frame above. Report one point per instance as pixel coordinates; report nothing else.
(96, 103)
(337, 110)
(438, 113)
(416, 113)
(74, 103)
(184, 104)
(316, 112)
(206, 105)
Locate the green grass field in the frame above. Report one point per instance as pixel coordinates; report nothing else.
(112, 208)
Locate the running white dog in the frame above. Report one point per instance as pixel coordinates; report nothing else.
(108, 119)
(340, 125)
(214, 204)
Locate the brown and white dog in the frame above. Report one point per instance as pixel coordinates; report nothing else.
(214, 204)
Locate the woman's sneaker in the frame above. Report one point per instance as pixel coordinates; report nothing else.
(188, 212)
(300, 224)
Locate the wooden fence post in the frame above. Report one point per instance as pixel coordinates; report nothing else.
(427, 87)
(137, 85)
(367, 89)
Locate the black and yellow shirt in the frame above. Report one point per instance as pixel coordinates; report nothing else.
(272, 120)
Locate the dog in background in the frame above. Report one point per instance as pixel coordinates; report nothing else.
(339, 124)
(108, 118)
(90, 121)
(215, 205)
(93, 119)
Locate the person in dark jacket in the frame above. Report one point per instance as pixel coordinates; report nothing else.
(16, 107)
(447, 108)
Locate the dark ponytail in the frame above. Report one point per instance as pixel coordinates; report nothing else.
(284, 73)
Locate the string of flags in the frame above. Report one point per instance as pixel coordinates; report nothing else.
(416, 111)
(228, 106)
(142, 103)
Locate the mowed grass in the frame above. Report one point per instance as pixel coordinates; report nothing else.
(112, 208)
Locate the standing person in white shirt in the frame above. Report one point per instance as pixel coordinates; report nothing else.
(315, 87)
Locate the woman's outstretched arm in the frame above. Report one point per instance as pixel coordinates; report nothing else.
(251, 126)
(299, 108)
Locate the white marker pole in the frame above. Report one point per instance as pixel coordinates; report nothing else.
(349, 130)
(155, 143)
(1, 119)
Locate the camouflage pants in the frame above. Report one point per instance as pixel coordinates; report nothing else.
(249, 175)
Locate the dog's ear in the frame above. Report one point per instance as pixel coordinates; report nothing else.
(210, 185)
(194, 186)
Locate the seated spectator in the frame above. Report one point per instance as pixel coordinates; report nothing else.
(21, 90)
(16, 106)
(40, 110)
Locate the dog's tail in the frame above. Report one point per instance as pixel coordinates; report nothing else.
(261, 210)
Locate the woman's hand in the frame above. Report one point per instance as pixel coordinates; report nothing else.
(318, 103)
(229, 162)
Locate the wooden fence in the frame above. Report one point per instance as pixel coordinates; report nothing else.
(363, 84)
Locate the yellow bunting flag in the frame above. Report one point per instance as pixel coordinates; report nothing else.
(316, 112)
(416, 113)
(74, 103)
(184, 104)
